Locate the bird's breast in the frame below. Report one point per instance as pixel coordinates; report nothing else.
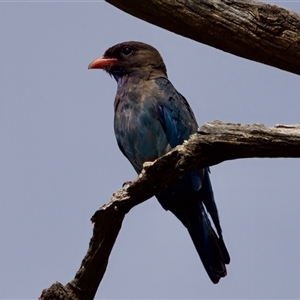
(138, 130)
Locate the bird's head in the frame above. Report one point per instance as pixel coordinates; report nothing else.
(131, 59)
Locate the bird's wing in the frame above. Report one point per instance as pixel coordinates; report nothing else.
(177, 120)
(175, 114)
(179, 123)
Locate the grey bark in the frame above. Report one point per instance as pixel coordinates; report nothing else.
(254, 30)
(213, 143)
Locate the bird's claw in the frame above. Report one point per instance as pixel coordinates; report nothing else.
(128, 183)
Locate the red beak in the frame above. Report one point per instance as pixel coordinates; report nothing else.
(101, 62)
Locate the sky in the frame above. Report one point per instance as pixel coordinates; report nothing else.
(60, 162)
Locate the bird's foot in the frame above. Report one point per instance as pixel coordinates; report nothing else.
(285, 126)
(128, 183)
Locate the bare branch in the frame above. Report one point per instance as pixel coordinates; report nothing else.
(254, 30)
(213, 143)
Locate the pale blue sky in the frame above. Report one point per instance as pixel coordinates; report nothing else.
(60, 162)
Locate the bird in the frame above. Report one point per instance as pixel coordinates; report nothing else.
(151, 118)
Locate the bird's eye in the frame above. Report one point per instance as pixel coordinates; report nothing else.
(126, 50)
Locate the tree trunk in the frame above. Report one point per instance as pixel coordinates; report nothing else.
(213, 143)
(254, 30)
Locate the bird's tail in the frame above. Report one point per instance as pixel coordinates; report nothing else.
(210, 247)
(190, 206)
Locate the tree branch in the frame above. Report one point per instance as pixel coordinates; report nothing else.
(213, 143)
(254, 30)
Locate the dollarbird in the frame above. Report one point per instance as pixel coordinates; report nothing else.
(152, 117)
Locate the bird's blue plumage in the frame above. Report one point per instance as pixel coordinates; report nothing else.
(151, 118)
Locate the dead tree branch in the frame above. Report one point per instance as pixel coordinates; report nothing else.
(254, 30)
(213, 143)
